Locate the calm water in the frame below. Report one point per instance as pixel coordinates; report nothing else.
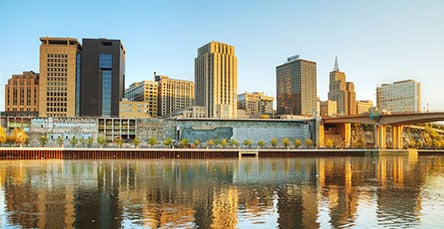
(358, 192)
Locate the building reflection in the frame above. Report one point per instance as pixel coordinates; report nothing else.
(301, 192)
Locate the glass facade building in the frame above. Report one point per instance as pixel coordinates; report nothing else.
(102, 77)
(296, 87)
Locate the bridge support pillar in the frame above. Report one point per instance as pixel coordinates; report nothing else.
(397, 137)
(320, 133)
(381, 136)
(347, 135)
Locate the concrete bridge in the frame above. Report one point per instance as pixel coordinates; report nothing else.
(380, 121)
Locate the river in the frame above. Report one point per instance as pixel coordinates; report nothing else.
(305, 192)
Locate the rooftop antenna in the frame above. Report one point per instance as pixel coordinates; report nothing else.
(336, 67)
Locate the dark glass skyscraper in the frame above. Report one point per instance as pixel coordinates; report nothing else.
(102, 78)
(296, 87)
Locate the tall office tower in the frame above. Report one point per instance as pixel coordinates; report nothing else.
(145, 91)
(215, 78)
(296, 87)
(342, 92)
(174, 94)
(22, 94)
(102, 81)
(59, 71)
(255, 104)
(401, 96)
(351, 98)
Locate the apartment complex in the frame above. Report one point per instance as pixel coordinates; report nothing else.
(255, 104)
(59, 74)
(400, 96)
(215, 81)
(342, 92)
(296, 87)
(102, 81)
(22, 94)
(145, 91)
(173, 94)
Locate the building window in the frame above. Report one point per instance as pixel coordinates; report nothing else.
(105, 61)
(106, 92)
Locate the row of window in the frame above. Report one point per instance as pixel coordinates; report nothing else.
(56, 104)
(48, 94)
(57, 65)
(58, 55)
(57, 99)
(56, 109)
(57, 74)
(56, 84)
(57, 79)
(57, 89)
(57, 70)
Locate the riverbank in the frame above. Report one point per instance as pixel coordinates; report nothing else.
(7, 153)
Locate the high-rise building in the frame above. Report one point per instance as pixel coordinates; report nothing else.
(22, 94)
(102, 81)
(173, 94)
(255, 104)
(401, 96)
(145, 91)
(363, 106)
(215, 72)
(351, 98)
(296, 87)
(342, 92)
(59, 71)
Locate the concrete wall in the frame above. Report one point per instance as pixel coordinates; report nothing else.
(239, 129)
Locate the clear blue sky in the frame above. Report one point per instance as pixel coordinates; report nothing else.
(375, 41)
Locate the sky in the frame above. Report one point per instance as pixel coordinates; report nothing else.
(376, 41)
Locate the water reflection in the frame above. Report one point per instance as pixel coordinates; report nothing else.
(386, 191)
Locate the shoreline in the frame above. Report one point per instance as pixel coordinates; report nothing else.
(38, 153)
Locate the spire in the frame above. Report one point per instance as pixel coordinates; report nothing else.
(336, 67)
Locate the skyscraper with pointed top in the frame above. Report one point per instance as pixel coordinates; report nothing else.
(341, 91)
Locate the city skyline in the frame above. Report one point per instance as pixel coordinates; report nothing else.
(376, 42)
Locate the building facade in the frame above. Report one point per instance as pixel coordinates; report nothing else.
(215, 81)
(363, 106)
(102, 81)
(22, 94)
(351, 98)
(342, 92)
(328, 108)
(296, 87)
(401, 96)
(59, 71)
(255, 104)
(173, 94)
(145, 91)
(133, 109)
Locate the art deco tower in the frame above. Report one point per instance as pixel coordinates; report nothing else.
(342, 92)
(215, 78)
